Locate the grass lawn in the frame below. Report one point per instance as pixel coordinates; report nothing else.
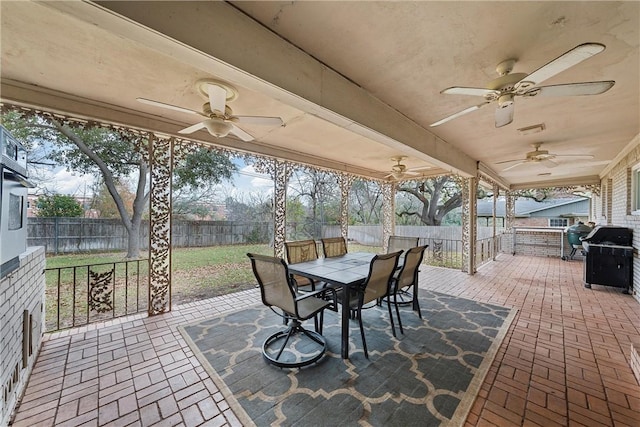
(197, 273)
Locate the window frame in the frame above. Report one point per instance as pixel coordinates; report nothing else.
(635, 190)
(564, 220)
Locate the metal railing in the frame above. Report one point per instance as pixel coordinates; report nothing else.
(442, 252)
(83, 294)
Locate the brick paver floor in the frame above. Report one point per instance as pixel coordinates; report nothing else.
(565, 360)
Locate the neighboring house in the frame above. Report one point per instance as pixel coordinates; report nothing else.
(530, 213)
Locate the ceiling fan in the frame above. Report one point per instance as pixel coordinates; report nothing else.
(540, 156)
(399, 171)
(219, 118)
(509, 85)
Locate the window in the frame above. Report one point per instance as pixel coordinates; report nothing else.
(558, 222)
(635, 190)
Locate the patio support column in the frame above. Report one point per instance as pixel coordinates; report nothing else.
(280, 179)
(469, 224)
(510, 210)
(279, 171)
(345, 181)
(388, 212)
(496, 193)
(160, 170)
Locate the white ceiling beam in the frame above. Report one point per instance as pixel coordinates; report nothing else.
(216, 37)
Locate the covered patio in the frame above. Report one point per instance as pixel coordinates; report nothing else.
(564, 360)
(356, 85)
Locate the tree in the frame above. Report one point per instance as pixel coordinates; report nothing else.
(365, 203)
(435, 198)
(104, 204)
(52, 205)
(318, 191)
(115, 157)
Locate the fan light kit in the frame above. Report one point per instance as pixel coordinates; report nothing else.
(505, 88)
(219, 118)
(399, 171)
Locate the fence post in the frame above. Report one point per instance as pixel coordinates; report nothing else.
(55, 234)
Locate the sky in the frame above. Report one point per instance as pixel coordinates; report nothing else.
(60, 180)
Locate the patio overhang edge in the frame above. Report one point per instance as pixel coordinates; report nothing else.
(573, 182)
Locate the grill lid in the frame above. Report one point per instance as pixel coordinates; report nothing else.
(610, 234)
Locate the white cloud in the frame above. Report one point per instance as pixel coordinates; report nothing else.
(64, 181)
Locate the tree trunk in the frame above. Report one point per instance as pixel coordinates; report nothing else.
(133, 241)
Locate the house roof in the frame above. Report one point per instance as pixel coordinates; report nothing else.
(525, 207)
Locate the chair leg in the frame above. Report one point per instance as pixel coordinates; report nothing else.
(292, 328)
(393, 328)
(364, 341)
(416, 302)
(395, 302)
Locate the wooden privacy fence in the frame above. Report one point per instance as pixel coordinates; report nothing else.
(69, 235)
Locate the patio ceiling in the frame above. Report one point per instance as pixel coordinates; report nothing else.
(355, 82)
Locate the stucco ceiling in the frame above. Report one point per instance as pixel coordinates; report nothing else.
(355, 82)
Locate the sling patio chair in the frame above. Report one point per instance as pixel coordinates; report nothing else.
(397, 243)
(334, 246)
(294, 346)
(376, 286)
(302, 251)
(407, 278)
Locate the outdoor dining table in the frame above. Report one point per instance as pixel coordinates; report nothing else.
(346, 272)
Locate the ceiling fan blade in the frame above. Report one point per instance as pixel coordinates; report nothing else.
(258, 120)
(193, 128)
(549, 163)
(522, 162)
(167, 106)
(509, 161)
(241, 134)
(473, 91)
(419, 168)
(572, 89)
(564, 61)
(588, 156)
(458, 114)
(217, 97)
(504, 115)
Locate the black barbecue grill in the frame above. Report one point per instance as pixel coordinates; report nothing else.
(608, 257)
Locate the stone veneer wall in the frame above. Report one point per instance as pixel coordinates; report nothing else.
(21, 308)
(613, 205)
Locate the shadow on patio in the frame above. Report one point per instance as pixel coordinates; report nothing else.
(565, 359)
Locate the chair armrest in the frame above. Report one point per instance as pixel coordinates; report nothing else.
(322, 293)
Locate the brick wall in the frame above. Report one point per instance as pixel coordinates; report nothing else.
(21, 307)
(613, 205)
(543, 243)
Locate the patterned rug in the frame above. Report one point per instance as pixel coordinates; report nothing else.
(429, 376)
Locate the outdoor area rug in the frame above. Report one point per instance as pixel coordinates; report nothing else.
(429, 376)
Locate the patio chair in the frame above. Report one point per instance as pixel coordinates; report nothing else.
(334, 246)
(302, 251)
(397, 243)
(376, 286)
(294, 346)
(407, 278)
